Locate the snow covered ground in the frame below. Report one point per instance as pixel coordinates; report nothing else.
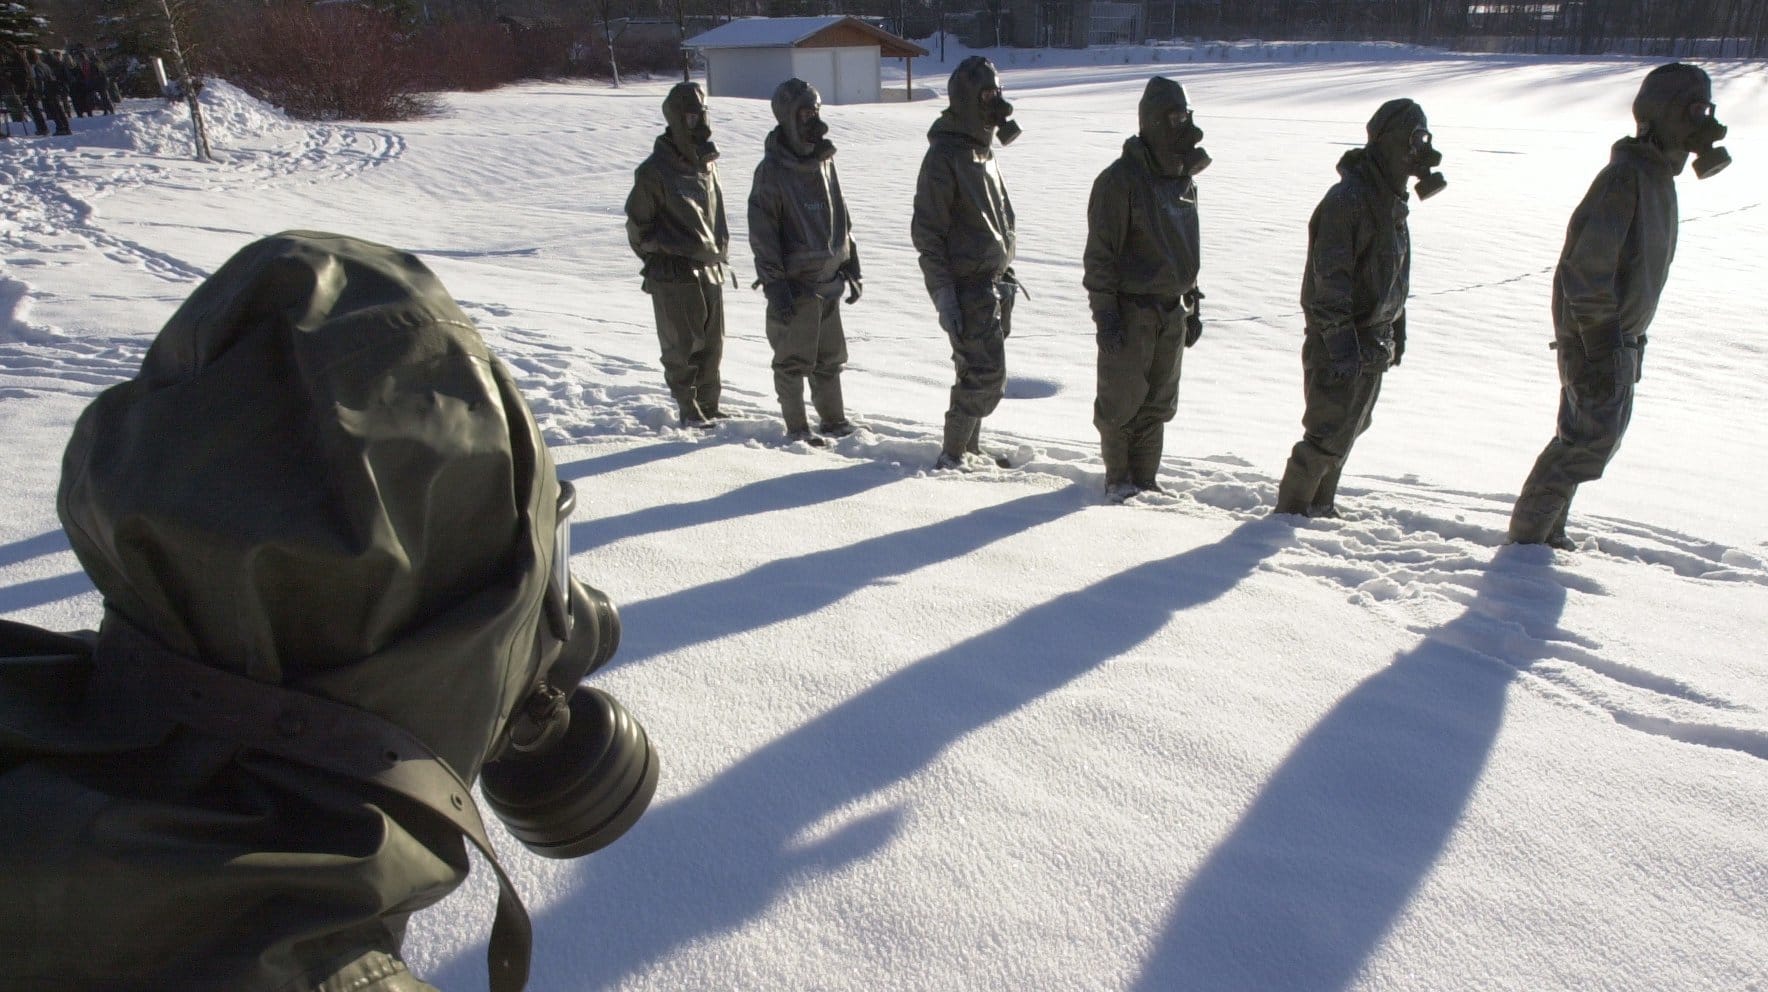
(926, 733)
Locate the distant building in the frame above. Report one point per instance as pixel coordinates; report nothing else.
(841, 56)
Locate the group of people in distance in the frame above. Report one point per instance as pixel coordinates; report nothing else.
(52, 86)
(1141, 266)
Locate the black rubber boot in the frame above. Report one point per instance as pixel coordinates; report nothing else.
(1144, 457)
(1295, 494)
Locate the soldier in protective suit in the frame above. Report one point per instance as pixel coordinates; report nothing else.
(804, 258)
(1353, 295)
(1141, 267)
(675, 223)
(963, 231)
(329, 540)
(1616, 259)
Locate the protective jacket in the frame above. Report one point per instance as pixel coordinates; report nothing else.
(963, 223)
(1618, 249)
(1358, 276)
(1141, 232)
(321, 495)
(46, 80)
(675, 218)
(799, 230)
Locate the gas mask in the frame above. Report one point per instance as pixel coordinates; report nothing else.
(1709, 158)
(1169, 128)
(1675, 112)
(573, 770)
(997, 113)
(684, 109)
(798, 108)
(1400, 140)
(1425, 158)
(977, 104)
(813, 134)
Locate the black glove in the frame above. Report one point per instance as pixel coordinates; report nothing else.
(1110, 331)
(849, 273)
(780, 301)
(1378, 356)
(1344, 359)
(1604, 374)
(1399, 350)
(945, 303)
(1194, 319)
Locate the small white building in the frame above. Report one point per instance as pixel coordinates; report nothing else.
(841, 56)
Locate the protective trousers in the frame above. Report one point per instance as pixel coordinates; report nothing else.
(1338, 411)
(690, 330)
(1138, 390)
(1594, 410)
(811, 345)
(35, 107)
(979, 354)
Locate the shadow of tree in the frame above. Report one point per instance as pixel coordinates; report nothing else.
(717, 858)
(1309, 881)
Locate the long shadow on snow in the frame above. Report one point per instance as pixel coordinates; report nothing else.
(716, 859)
(33, 547)
(795, 587)
(614, 461)
(1303, 890)
(786, 492)
(39, 592)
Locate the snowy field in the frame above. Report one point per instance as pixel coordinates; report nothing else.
(983, 732)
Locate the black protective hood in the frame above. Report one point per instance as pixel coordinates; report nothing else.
(1175, 149)
(322, 479)
(692, 143)
(789, 98)
(1662, 109)
(1390, 146)
(967, 112)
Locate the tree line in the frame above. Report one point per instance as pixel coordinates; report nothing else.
(376, 59)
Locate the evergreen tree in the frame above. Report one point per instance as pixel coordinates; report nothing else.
(19, 24)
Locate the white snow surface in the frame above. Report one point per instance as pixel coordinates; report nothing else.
(983, 732)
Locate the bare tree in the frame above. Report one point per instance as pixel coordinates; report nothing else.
(611, 34)
(177, 15)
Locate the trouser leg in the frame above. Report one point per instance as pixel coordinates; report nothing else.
(36, 108)
(709, 353)
(979, 358)
(683, 319)
(1138, 391)
(1148, 427)
(1338, 412)
(1114, 449)
(831, 358)
(794, 349)
(1593, 418)
(960, 433)
(56, 108)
